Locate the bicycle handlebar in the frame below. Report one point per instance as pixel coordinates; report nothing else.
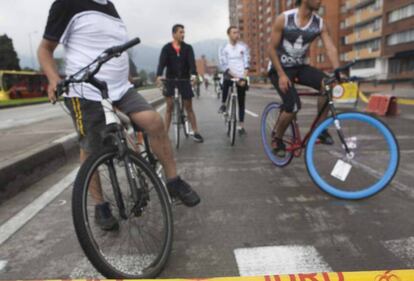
(122, 48)
(87, 74)
(342, 69)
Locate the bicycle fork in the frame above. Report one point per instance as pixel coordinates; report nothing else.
(349, 154)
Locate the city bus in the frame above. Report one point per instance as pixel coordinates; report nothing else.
(22, 85)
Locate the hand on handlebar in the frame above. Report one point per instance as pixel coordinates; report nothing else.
(52, 90)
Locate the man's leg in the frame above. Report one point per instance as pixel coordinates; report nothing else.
(188, 105)
(168, 112)
(151, 123)
(89, 120)
(241, 96)
(313, 77)
(143, 115)
(226, 88)
(95, 186)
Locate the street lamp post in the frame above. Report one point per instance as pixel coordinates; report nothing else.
(31, 48)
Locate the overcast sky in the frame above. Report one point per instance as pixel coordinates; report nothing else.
(151, 20)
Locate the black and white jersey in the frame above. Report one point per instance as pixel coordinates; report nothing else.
(86, 28)
(296, 40)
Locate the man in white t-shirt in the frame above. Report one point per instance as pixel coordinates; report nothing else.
(86, 28)
(234, 60)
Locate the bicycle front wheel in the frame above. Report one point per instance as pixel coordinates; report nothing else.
(369, 167)
(233, 122)
(141, 245)
(177, 124)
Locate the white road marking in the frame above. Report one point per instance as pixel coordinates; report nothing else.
(3, 265)
(279, 260)
(403, 249)
(65, 138)
(252, 113)
(18, 221)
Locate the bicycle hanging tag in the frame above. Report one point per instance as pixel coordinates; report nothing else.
(341, 170)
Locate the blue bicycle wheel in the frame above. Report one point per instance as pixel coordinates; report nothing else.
(367, 170)
(268, 122)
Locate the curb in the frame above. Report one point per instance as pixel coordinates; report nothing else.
(19, 173)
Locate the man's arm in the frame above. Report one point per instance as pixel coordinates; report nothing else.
(331, 50)
(192, 62)
(246, 60)
(223, 60)
(161, 64)
(48, 64)
(276, 38)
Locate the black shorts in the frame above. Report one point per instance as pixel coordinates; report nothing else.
(89, 118)
(303, 75)
(184, 88)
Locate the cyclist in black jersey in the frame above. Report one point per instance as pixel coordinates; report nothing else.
(292, 34)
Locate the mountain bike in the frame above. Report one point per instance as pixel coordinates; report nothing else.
(179, 116)
(129, 178)
(363, 160)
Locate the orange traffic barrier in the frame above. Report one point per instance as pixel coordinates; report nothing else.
(383, 105)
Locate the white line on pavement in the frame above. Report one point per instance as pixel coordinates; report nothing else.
(18, 221)
(252, 113)
(65, 138)
(403, 249)
(279, 260)
(3, 265)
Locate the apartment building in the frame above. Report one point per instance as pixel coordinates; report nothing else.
(381, 34)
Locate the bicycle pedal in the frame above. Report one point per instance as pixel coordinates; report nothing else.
(176, 202)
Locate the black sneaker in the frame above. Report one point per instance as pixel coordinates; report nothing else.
(104, 218)
(242, 131)
(278, 147)
(222, 109)
(183, 191)
(326, 138)
(198, 138)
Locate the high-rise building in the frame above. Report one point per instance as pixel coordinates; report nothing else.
(255, 19)
(381, 37)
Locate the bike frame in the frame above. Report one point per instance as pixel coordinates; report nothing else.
(300, 143)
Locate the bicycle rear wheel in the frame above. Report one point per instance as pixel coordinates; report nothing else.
(269, 119)
(370, 167)
(142, 244)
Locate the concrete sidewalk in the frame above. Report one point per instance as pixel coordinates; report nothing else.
(41, 141)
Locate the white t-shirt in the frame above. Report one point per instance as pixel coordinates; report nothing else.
(86, 28)
(235, 58)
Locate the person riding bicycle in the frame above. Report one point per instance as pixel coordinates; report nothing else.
(234, 60)
(86, 28)
(178, 58)
(292, 34)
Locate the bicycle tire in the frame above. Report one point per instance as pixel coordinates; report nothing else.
(81, 224)
(277, 161)
(367, 192)
(233, 122)
(177, 124)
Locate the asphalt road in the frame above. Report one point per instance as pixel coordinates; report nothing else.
(254, 219)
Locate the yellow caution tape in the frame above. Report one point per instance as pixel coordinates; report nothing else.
(391, 275)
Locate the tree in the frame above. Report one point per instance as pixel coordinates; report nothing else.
(8, 56)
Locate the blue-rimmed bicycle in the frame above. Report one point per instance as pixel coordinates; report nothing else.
(363, 159)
